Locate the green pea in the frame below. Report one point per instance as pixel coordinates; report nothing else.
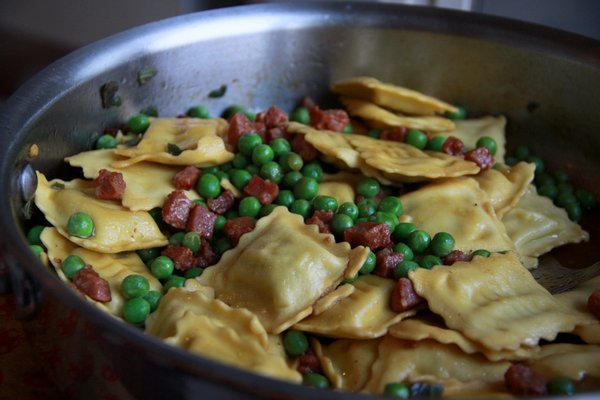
(565, 187)
(369, 264)
(481, 253)
(106, 142)
(405, 250)
(521, 153)
(209, 170)
(416, 138)
(561, 386)
(313, 170)
(339, 223)
(33, 235)
(271, 171)
(350, 209)
(162, 267)
(539, 164)
(573, 211)
(403, 268)
(231, 214)
(396, 390)
(248, 142)
(136, 310)
(198, 112)
(193, 273)
(148, 254)
(368, 187)
(306, 188)
(374, 133)
(135, 285)
(176, 238)
(174, 281)
(586, 199)
(564, 198)
(418, 241)
(80, 225)
(301, 207)
(301, 114)
(325, 203)
(232, 110)
(240, 178)
(36, 249)
(442, 244)
(285, 198)
(219, 223)
(250, 115)
(156, 214)
(561, 176)
(222, 245)
(402, 231)
(266, 210)
(316, 380)
(262, 154)
(348, 128)
(391, 205)
(510, 160)
(387, 218)
(291, 162)
(208, 186)
(460, 113)
(153, 298)
(280, 146)
(291, 178)
(489, 142)
(138, 123)
(543, 178)
(436, 143)
(295, 343)
(366, 208)
(548, 190)
(240, 161)
(249, 207)
(351, 279)
(192, 241)
(429, 261)
(71, 265)
(226, 167)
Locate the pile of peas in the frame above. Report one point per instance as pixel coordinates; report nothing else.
(556, 185)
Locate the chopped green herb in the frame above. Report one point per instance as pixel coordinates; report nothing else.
(220, 92)
(108, 94)
(173, 149)
(145, 74)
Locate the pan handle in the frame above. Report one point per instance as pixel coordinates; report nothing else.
(27, 291)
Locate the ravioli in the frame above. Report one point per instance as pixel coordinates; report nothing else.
(111, 267)
(576, 300)
(347, 363)
(199, 141)
(401, 162)
(147, 184)
(364, 314)
(506, 185)
(430, 361)
(536, 226)
(470, 130)
(457, 206)
(116, 228)
(573, 361)
(332, 145)
(392, 96)
(281, 268)
(380, 117)
(192, 320)
(494, 301)
(430, 326)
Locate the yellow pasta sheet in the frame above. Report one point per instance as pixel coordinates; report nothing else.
(536, 226)
(494, 301)
(576, 300)
(111, 267)
(392, 96)
(116, 228)
(363, 314)
(459, 207)
(281, 268)
(195, 321)
(573, 361)
(147, 184)
(199, 140)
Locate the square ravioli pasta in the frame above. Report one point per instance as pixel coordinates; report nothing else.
(281, 268)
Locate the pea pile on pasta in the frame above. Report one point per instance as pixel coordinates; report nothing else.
(383, 247)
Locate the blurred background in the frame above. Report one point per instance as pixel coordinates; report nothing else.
(36, 32)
